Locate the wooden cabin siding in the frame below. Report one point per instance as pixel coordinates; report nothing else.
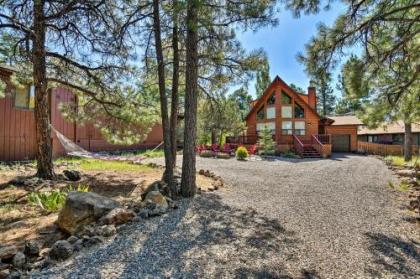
(18, 136)
(17, 128)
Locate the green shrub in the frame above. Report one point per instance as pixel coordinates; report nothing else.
(53, 201)
(50, 201)
(80, 188)
(266, 144)
(290, 154)
(241, 153)
(206, 154)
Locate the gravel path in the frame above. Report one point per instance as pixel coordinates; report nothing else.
(331, 218)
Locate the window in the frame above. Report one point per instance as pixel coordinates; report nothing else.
(398, 139)
(260, 113)
(286, 112)
(300, 128)
(271, 113)
(272, 99)
(270, 126)
(286, 128)
(285, 99)
(299, 112)
(25, 97)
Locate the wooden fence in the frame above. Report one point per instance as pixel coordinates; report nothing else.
(383, 149)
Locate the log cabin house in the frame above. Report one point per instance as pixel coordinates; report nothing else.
(295, 124)
(17, 124)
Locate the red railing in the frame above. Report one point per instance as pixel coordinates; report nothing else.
(298, 145)
(324, 139)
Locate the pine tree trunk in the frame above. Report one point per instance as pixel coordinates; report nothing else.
(168, 173)
(175, 85)
(213, 136)
(188, 183)
(45, 167)
(408, 151)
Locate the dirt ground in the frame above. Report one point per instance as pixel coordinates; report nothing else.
(21, 220)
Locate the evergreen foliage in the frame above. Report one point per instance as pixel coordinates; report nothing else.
(266, 144)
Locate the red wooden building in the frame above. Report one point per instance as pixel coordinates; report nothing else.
(17, 124)
(295, 124)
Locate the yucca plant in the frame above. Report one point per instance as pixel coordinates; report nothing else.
(49, 201)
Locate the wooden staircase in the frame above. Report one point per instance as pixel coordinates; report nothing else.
(310, 152)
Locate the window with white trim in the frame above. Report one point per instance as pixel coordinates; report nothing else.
(271, 113)
(286, 111)
(286, 128)
(270, 126)
(300, 128)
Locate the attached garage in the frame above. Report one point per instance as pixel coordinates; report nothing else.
(343, 131)
(340, 143)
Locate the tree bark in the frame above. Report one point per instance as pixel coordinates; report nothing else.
(188, 183)
(45, 167)
(213, 136)
(175, 84)
(168, 173)
(408, 150)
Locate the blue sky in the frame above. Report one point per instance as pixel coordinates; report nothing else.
(283, 42)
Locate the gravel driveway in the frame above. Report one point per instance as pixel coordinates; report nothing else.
(331, 218)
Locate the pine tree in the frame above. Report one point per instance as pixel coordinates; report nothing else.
(263, 79)
(266, 144)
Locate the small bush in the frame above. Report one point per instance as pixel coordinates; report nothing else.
(241, 153)
(206, 154)
(50, 201)
(53, 201)
(221, 155)
(290, 154)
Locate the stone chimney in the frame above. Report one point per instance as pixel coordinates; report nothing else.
(312, 96)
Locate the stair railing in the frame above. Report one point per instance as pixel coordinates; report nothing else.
(298, 145)
(317, 144)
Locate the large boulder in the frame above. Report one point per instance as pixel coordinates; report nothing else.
(82, 208)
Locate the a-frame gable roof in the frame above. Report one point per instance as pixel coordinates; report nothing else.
(278, 81)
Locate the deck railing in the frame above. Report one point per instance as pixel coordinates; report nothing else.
(298, 145)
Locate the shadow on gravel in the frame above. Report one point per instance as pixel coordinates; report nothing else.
(215, 240)
(393, 255)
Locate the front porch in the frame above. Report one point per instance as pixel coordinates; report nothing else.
(309, 146)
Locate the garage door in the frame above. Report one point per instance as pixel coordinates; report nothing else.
(341, 143)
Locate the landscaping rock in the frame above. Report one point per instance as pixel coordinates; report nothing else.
(72, 239)
(31, 249)
(78, 245)
(118, 216)
(144, 213)
(8, 252)
(5, 273)
(82, 208)
(72, 175)
(93, 241)
(19, 260)
(157, 186)
(61, 250)
(156, 198)
(107, 230)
